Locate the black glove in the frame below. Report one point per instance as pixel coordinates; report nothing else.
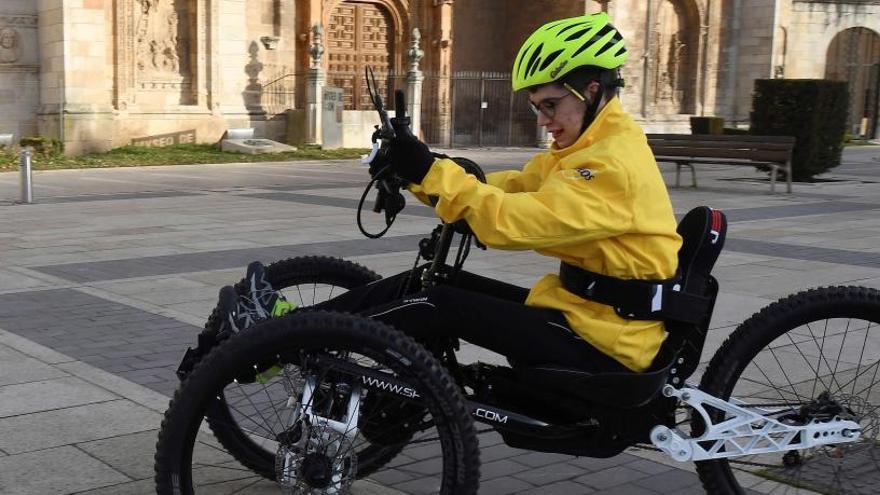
(409, 158)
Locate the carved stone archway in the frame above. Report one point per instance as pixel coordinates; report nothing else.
(674, 57)
(854, 56)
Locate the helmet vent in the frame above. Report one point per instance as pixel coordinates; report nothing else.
(608, 45)
(533, 61)
(550, 58)
(570, 26)
(620, 52)
(592, 41)
(578, 34)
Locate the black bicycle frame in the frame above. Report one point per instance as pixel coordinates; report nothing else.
(385, 383)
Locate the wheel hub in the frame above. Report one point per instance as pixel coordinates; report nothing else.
(315, 460)
(316, 470)
(823, 408)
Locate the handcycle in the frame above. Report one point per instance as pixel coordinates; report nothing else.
(313, 401)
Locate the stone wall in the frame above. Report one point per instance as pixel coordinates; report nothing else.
(125, 70)
(753, 33)
(19, 68)
(674, 64)
(812, 26)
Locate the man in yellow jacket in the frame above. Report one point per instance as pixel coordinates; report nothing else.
(595, 200)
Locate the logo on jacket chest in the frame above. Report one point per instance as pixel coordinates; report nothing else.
(578, 173)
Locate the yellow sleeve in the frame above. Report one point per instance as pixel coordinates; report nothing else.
(570, 207)
(419, 193)
(526, 180)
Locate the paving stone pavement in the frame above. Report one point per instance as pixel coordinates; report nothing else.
(111, 273)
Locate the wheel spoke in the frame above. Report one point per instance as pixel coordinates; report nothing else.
(782, 369)
(807, 361)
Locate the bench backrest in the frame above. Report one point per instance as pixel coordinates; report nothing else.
(755, 148)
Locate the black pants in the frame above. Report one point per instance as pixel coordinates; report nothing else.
(482, 311)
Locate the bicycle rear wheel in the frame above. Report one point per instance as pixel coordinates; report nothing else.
(310, 457)
(816, 354)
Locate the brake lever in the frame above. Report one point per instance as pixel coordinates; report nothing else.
(389, 199)
(387, 130)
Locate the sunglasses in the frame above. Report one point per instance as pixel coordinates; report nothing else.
(547, 106)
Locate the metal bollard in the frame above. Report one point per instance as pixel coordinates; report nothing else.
(27, 189)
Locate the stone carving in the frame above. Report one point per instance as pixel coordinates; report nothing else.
(254, 90)
(10, 49)
(270, 42)
(316, 50)
(124, 55)
(415, 53)
(18, 20)
(159, 48)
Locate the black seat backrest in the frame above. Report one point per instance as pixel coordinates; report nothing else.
(703, 231)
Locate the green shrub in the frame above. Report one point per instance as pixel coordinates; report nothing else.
(8, 158)
(814, 111)
(43, 146)
(707, 125)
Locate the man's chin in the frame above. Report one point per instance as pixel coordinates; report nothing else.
(564, 143)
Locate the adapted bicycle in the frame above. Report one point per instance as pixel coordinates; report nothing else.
(313, 402)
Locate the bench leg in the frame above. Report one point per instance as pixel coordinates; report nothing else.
(693, 175)
(788, 176)
(773, 169)
(677, 175)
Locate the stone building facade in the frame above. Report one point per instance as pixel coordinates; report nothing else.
(104, 73)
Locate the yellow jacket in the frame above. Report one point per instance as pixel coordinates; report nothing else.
(599, 204)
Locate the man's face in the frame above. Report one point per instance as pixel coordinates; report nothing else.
(560, 111)
(7, 39)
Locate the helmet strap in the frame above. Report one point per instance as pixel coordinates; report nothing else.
(593, 107)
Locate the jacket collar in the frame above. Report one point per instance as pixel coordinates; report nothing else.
(608, 117)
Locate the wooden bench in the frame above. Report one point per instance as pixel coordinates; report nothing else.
(685, 150)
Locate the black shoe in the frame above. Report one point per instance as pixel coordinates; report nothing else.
(232, 319)
(261, 300)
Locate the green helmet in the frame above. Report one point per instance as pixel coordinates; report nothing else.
(560, 47)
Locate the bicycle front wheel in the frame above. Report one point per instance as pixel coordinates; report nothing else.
(304, 281)
(408, 402)
(817, 354)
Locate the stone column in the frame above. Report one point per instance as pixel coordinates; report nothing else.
(314, 88)
(414, 80)
(443, 19)
(88, 102)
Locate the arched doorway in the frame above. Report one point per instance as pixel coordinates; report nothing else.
(674, 51)
(854, 56)
(360, 33)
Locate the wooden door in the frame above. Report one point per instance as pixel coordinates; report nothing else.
(360, 34)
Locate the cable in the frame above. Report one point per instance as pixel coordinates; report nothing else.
(361, 206)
